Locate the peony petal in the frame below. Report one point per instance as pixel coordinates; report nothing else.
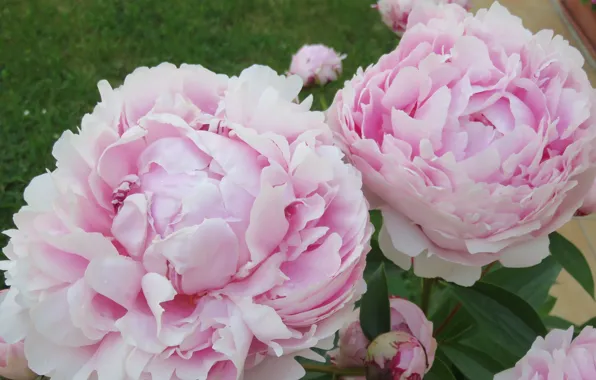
(157, 289)
(285, 367)
(263, 321)
(268, 223)
(206, 255)
(525, 254)
(117, 278)
(130, 224)
(405, 236)
(430, 266)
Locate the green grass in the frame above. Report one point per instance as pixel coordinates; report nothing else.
(53, 52)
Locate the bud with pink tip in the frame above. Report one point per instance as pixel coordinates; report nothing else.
(405, 353)
(396, 355)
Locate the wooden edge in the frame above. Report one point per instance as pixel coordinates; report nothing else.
(587, 45)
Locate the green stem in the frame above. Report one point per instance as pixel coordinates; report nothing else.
(323, 102)
(356, 371)
(427, 286)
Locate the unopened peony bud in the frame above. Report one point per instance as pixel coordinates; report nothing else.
(13, 364)
(415, 352)
(352, 345)
(396, 355)
(316, 64)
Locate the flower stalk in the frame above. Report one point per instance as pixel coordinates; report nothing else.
(427, 286)
(322, 368)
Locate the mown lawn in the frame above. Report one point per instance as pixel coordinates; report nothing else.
(53, 52)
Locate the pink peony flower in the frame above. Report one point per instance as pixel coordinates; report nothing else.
(557, 356)
(412, 356)
(466, 4)
(476, 139)
(196, 226)
(13, 364)
(589, 205)
(316, 64)
(395, 13)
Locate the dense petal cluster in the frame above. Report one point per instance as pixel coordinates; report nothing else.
(395, 13)
(557, 356)
(475, 137)
(196, 226)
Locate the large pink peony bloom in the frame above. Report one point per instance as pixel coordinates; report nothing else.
(475, 138)
(316, 64)
(408, 359)
(395, 13)
(557, 356)
(13, 364)
(195, 226)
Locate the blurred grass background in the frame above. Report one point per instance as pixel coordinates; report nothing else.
(53, 53)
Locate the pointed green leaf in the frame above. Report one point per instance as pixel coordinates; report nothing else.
(591, 322)
(482, 342)
(473, 363)
(547, 306)
(531, 284)
(375, 317)
(572, 260)
(376, 218)
(460, 323)
(554, 322)
(505, 317)
(439, 371)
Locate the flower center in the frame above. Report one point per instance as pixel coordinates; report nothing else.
(176, 281)
(480, 118)
(121, 192)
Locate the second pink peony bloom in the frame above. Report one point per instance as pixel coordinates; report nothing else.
(476, 139)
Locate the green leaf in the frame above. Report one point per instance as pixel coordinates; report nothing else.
(591, 322)
(323, 102)
(460, 323)
(572, 260)
(472, 363)
(439, 371)
(505, 317)
(554, 322)
(376, 219)
(396, 281)
(375, 317)
(481, 342)
(547, 306)
(396, 277)
(531, 284)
